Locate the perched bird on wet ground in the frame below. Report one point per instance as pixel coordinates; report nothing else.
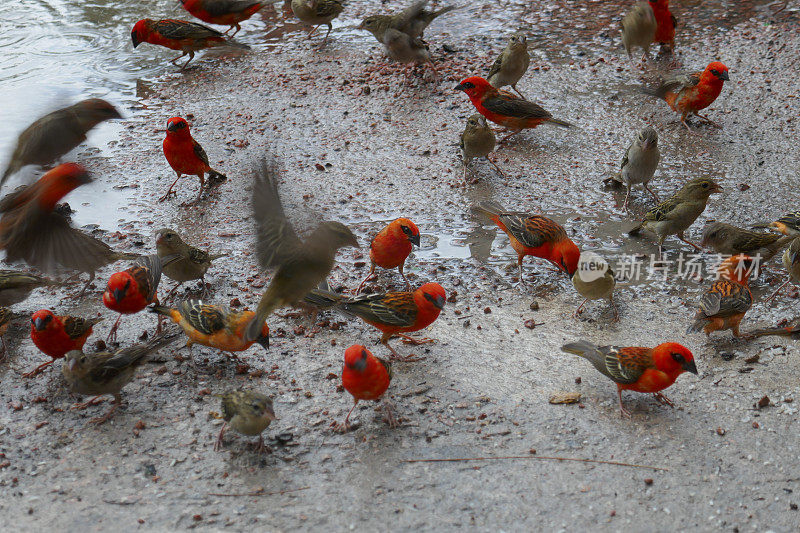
(32, 230)
(55, 335)
(393, 313)
(636, 368)
(248, 413)
(299, 265)
(533, 235)
(725, 303)
(186, 262)
(53, 135)
(187, 37)
(105, 372)
(391, 247)
(316, 13)
(675, 215)
(791, 262)
(5, 318)
(639, 28)
(133, 289)
(665, 25)
(213, 325)
(16, 286)
(366, 377)
(478, 140)
(223, 12)
(412, 21)
(727, 239)
(511, 65)
(403, 48)
(639, 164)
(788, 224)
(688, 94)
(186, 156)
(504, 108)
(594, 280)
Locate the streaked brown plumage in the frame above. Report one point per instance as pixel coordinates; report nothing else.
(788, 224)
(725, 303)
(16, 286)
(317, 13)
(638, 28)
(412, 21)
(511, 64)
(476, 141)
(791, 262)
(247, 412)
(191, 262)
(727, 239)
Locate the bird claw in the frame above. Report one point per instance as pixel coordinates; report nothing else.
(38, 370)
(167, 195)
(660, 398)
(405, 339)
(97, 400)
(410, 358)
(259, 447)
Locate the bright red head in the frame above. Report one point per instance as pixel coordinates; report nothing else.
(363, 375)
(566, 256)
(674, 359)
(44, 320)
(430, 297)
(177, 127)
(122, 294)
(141, 32)
(405, 229)
(717, 71)
(474, 86)
(356, 358)
(59, 182)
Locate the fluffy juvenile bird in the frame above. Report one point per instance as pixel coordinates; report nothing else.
(675, 215)
(186, 156)
(53, 135)
(183, 262)
(187, 37)
(533, 235)
(223, 12)
(665, 25)
(102, 373)
(391, 247)
(791, 262)
(133, 289)
(5, 318)
(688, 94)
(788, 224)
(412, 21)
(393, 313)
(636, 368)
(594, 280)
(366, 377)
(248, 413)
(727, 300)
(511, 65)
(32, 231)
(316, 13)
(214, 326)
(504, 108)
(727, 239)
(55, 335)
(299, 265)
(16, 286)
(639, 28)
(477, 141)
(639, 164)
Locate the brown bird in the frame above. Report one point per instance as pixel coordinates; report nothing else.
(477, 141)
(412, 21)
(725, 303)
(107, 372)
(300, 265)
(16, 286)
(316, 13)
(249, 413)
(56, 133)
(791, 261)
(191, 263)
(5, 317)
(788, 224)
(729, 240)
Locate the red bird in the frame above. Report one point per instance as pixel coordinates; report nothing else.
(56, 335)
(394, 313)
(390, 248)
(188, 37)
(637, 368)
(186, 156)
(131, 290)
(690, 94)
(366, 377)
(665, 24)
(223, 12)
(534, 235)
(502, 107)
(727, 300)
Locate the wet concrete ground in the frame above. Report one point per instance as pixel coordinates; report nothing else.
(483, 388)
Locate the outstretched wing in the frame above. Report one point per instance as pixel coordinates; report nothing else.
(276, 240)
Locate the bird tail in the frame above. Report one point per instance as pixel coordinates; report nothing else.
(489, 208)
(445, 9)
(698, 325)
(216, 256)
(162, 340)
(216, 176)
(785, 332)
(662, 90)
(236, 44)
(323, 299)
(584, 349)
(268, 303)
(127, 256)
(559, 122)
(635, 231)
(160, 310)
(614, 181)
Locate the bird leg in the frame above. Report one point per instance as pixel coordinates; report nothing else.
(175, 288)
(199, 193)
(663, 399)
(708, 120)
(102, 419)
(683, 121)
(397, 357)
(237, 26)
(402, 274)
(370, 276)
(325, 39)
(622, 411)
(170, 191)
(495, 167)
(38, 370)
(388, 414)
(83, 405)
(661, 247)
(651, 192)
(312, 31)
(112, 335)
(218, 443)
(614, 307)
(345, 427)
(191, 56)
(578, 310)
(514, 86)
(680, 236)
(260, 447)
(413, 341)
(774, 294)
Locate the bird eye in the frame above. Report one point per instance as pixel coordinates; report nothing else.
(469, 85)
(406, 230)
(715, 72)
(678, 357)
(705, 185)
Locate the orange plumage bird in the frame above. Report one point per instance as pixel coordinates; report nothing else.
(636, 368)
(55, 335)
(366, 377)
(394, 313)
(688, 94)
(188, 37)
(727, 300)
(223, 12)
(390, 248)
(133, 289)
(665, 24)
(186, 156)
(504, 108)
(214, 326)
(534, 235)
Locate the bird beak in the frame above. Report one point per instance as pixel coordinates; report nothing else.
(135, 39)
(439, 302)
(172, 126)
(414, 239)
(39, 324)
(119, 294)
(263, 340)
(459, 87)
(71, 365)
(84, 178)
(724, 76)
(716, 188)
(360, 26)
(270, 415)
(689, 366)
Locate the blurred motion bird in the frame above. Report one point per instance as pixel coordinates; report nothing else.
(591, 286)
(186, 263)
(16, 286)
(639, 164)
(504, 108)
(533, 235)
(55, 335)
(640, 369)
(511, 65)
(665, 24)
(106, 372)
(408, 50)
(186, 156)
(727, 239)
(639, 29)
(391, 247)
(223, 12)
(5, 318)
(791, 261)
(131, 290)
(316, 13)
(366, 377)
(476, 141)
(248, 413)
(412, 21)
(299, 265)
(725, 303)
(675, 215)
(688, 94)
(53, 135)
